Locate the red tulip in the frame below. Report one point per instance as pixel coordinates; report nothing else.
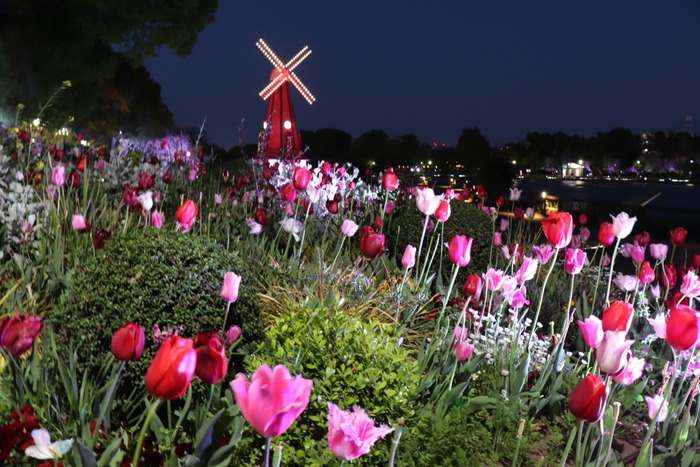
(332, 206)
(172, 369)
(390, 180)
(518, 214)
(500, 201)
(472, 287)
(301, 178)
(168, 179)
(465, 194)
(100, 238)
(443, 211)
(81, 163)
(326, 168)
(460, 250)
(378, 222)
(678, 236)
(146, 181)
(260, 216)
(17, 332)
(73, 180)
(164, 144)
(128, 342)
(480, 192)
(696, 261)
(371, 243)
(681, 327)
(606, 236)
(212, 364)
(646, 273)
(642, 239)
(618, 317)
(186, 215)
(24, 136)
(558, 228)
(667, 276)
(587, 400)
(288, 193)
(583, 219)
(130, 195)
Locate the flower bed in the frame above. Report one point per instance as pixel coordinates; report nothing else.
(160, 311)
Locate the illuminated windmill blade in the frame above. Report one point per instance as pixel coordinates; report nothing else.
(272, 87)
(302, 89)
(298, 58)
(267, 51)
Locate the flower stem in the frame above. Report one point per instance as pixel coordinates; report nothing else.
(568, 445)
(107, 404)
(267, 452)
(395, 442)
(146, 424)
(420, 245)
(612, 265)
(553, 259)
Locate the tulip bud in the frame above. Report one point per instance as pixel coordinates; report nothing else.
(678, 236)
(473, 285)
(230, 286)
(646, 273)
(212, 364)
(558, 228)
(681, 327)
(409, 257)
(301, 178)
(349, 228)
(618, 317)
(442, 213)
(371, 243)
(128, 342)
(390, 181)
(460, 250)
(606, 236)
(588, 399)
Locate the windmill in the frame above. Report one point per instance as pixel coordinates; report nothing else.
(284, 138)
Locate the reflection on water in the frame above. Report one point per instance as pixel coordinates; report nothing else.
(677, 195)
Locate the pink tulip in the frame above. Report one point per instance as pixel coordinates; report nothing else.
(461, 250)
(157, 219)
(527, 270)
(658, 251)
(592, 330)
(632, 372)
(390, 205)
(637, 254)
(585, 234)
(349, 228)
(229, 289)
(529, 213)
(462, 349)
(409, 257)
(691, 285)
(613, 353)
(272, 400)
(493, 279)
(233, 334)
(659, 325)
(575, 260)
(352, 434)
(503, 225)
(658, 408)
(192, 175)
(79, 224)
(58, 175)
(543, 253)
(655, 291)
(497, 239)
(626, 249)
(217, 198)
(622, 225)
(515, 194)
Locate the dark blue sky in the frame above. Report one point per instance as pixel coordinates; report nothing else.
(434, 68)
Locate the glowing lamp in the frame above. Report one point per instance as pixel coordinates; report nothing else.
(287, 125)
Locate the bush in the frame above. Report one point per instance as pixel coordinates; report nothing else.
(465, 438)
(466, 219)
(152, 276)
(352, 363)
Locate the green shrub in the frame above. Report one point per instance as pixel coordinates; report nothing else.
(466, 219)
(152, 277)
(465, 438)
(352, 363)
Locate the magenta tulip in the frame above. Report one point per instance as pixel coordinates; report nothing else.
(229, 288)
(460, 250)
(352, 434)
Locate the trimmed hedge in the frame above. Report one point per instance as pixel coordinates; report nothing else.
(152, 277)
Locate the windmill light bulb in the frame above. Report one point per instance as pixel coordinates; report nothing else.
(287, 125)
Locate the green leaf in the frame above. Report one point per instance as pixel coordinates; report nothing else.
(109, 453)
(203, 439)
(87, 456)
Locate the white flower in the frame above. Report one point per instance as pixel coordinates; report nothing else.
(292, 226)
(43, 447)
(146, 200)
(255, 228)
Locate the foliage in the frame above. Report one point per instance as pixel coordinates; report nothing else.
(153, 277)
(466, 438)
(352, 363)
(465, 219)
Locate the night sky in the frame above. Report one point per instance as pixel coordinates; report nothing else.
(434, 68)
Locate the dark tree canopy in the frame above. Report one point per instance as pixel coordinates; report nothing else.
(87, 42)
(473, 149)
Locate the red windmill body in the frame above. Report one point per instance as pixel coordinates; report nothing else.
(284, 139)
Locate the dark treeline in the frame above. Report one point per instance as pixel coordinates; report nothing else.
(614, 152)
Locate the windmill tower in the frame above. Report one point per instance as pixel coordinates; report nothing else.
(284, 138)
